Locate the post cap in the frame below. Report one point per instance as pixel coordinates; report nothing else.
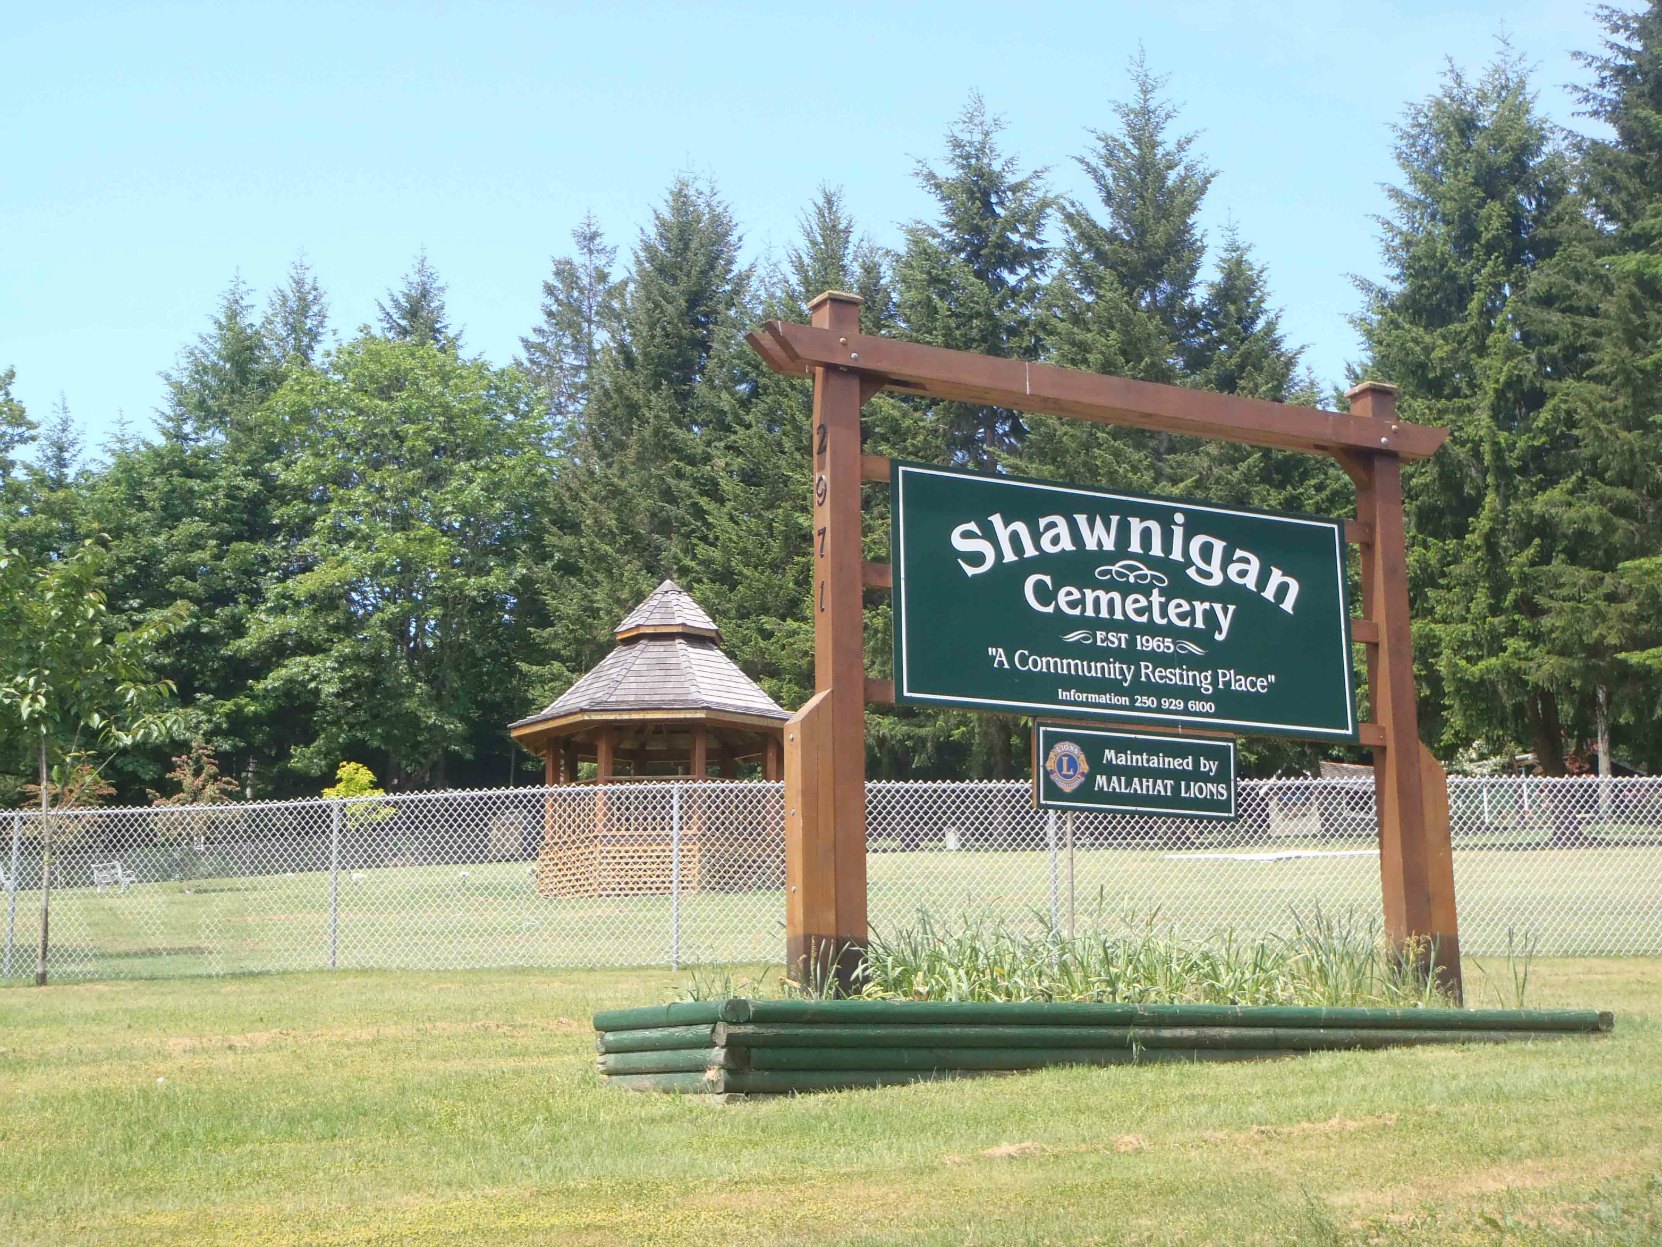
(834, 296)
(1364, 387)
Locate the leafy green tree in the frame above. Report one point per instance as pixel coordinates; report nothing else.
(415, 310)
(16, 432)
(355, 784)
(394, 623)
(72, 685)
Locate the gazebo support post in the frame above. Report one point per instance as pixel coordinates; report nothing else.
(825, 742)
(605, 753)
(699, 766)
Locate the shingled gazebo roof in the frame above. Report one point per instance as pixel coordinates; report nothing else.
(667, 665)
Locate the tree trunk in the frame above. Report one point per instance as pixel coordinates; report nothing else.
(1602, 718)
(45, 872)
(1546, 734)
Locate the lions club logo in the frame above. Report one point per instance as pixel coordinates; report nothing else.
(1066, 765)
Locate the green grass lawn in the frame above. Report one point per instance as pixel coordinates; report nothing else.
(462, 1108)
(1589, 900)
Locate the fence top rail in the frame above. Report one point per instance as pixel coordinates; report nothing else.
(643, 785)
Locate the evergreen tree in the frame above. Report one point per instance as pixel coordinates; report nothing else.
(971, 279)
(828, 255)
(192, 517)
(579, 308)
(1125, 299)
(1485, 204)
(47, 515)
(632, 497)
(60, 448)
(1237, 346)
(1148, 243)
(415, 311)
(222, 376)
(1602, 313)
(296, 318)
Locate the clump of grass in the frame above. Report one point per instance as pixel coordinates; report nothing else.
(723, 983)
(1520, 953)
(1327, 960)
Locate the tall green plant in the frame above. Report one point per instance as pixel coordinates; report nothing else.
(78, 689)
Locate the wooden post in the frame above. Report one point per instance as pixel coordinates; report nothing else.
(553, 766)
(1416, 860)
(700, 764)
(770, 759)
(825, 743)
(605, 753)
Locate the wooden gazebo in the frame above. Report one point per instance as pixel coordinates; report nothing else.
(666, 703)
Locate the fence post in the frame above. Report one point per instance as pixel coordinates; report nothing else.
(334, 883)
(1070, 875)
(1055, 904)
(675, 876)
(11, 894)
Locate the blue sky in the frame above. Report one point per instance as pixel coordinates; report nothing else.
(153, 150)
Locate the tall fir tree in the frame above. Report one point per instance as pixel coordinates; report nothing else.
(192, 518)
(1485, 204)
(17, 431)
(415, 310)
(579, 311)
(1125, 300)
(971, 278)
(1604, 313)
(631, 499)
(296, 319)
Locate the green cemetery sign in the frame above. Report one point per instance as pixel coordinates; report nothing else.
(1080, 768)
(1033, 597)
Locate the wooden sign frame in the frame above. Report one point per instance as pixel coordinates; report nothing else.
(825, 742)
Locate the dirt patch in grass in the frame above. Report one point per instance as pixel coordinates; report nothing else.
(1298, 1129)
(1006, 1151)
(1462, 1185)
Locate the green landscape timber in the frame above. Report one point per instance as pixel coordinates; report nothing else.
(774, 1047)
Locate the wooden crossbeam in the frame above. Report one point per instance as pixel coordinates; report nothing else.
(962, 376)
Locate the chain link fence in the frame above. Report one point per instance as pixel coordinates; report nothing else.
(677, 873)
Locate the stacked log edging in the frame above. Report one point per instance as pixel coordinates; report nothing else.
(780, 1047)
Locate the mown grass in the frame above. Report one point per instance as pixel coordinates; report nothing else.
(488, 914)
(462, 1108)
